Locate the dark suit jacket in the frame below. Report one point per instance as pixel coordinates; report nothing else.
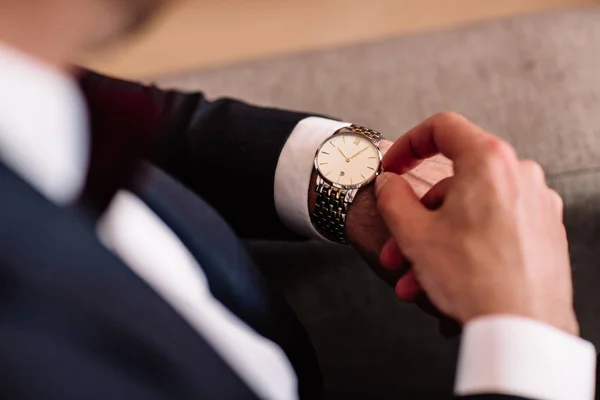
(75, 323)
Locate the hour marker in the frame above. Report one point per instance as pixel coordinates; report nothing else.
(372, 158)
(324, 163)
(363, 177)
(357, 141)
(344, 139)
(331, 143)
(327, 174)
(324, 152)
(351, 181)
(371, 168)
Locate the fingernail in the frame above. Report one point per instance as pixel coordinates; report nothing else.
(380, 182)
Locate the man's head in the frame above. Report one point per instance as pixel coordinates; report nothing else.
(59, 30)
(135, 13)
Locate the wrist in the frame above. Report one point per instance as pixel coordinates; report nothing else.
(560, 316)
(345, 163)
(362, 213)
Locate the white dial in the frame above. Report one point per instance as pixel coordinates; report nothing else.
(348, 159)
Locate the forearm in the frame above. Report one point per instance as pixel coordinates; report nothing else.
(228, 154)
(236, 156)
(225, 150)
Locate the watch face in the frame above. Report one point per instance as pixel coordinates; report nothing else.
(348, 160)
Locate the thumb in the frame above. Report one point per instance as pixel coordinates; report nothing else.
(400, 207)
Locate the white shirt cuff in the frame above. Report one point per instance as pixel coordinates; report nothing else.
(522, 357)
(294, 170)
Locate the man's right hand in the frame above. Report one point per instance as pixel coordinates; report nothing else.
(489, 240)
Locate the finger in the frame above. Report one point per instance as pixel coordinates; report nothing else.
(447, 133)
(391, 257)
(557, 203)
(436, 195)
(448, 326)
(534, 176)
(428, 173)
(400, 208)
(533, 172)
(408, 287)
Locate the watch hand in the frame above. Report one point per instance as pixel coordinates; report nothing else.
(357, 154)
(347, 159)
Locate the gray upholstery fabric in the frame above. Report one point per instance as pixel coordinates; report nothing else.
(534, 80)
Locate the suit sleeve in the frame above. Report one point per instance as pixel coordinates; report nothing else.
(225, 150)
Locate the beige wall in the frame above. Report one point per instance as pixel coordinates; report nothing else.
(200, 33)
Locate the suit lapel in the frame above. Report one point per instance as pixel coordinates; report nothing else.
(233, 277)
(50, 250)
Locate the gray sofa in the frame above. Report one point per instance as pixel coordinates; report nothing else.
(534, 80)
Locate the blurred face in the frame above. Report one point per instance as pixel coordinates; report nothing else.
(59, 31)
(137, 13)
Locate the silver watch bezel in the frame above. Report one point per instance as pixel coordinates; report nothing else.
(341, 186)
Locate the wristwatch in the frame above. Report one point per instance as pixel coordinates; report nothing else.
(345, 162)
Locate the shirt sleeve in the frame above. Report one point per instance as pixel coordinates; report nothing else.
(521, 357)
(294, 170)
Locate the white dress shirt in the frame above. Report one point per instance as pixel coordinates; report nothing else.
(500, 354)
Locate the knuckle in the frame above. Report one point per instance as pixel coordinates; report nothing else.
(447, 118)
(498, 159)
(557, 200)
(499, 151)
(533, 170)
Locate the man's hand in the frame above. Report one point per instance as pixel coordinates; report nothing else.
(489, 240)
(365, 229)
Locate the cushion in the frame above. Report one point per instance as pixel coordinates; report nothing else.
(533, 79)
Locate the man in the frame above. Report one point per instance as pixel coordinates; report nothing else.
(121, 282)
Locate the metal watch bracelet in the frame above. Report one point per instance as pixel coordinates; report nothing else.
(331, 208)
